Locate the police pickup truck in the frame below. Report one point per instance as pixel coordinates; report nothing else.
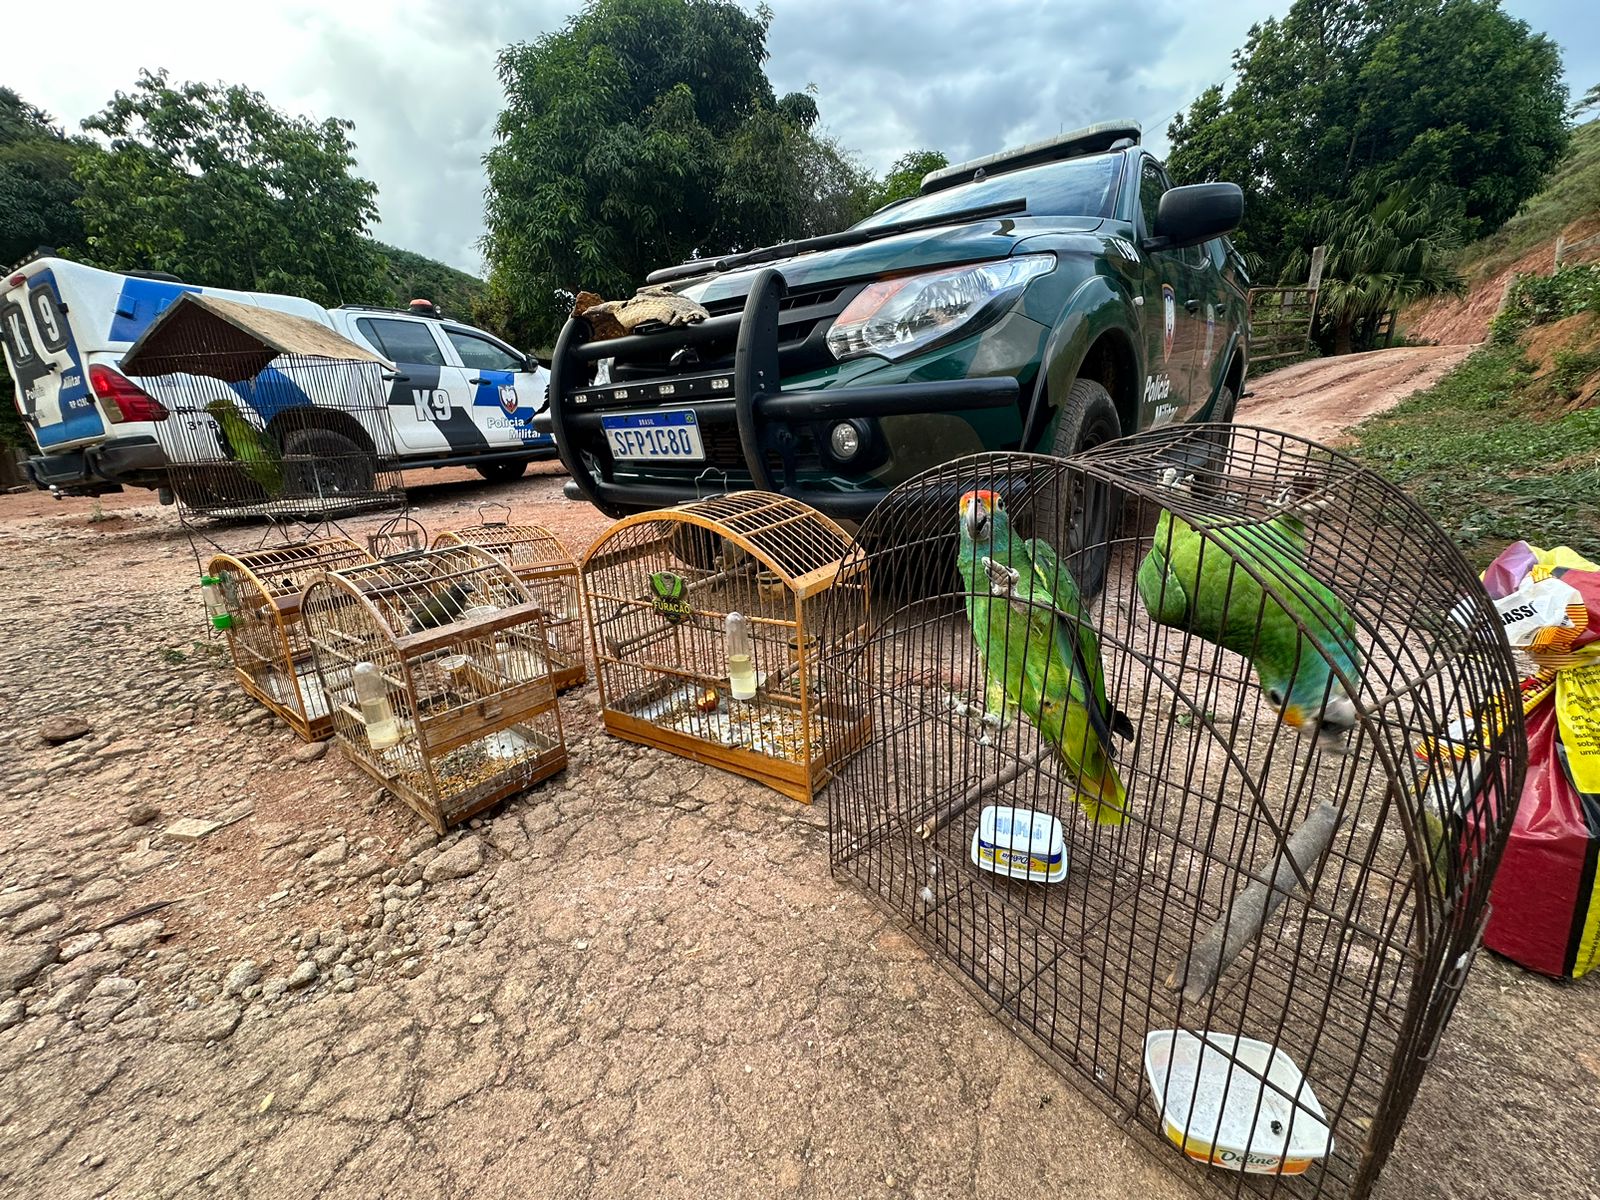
(1047, 298)
(457, 396)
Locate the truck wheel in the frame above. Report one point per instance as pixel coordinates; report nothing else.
(1084, 509)
(503, 472)
(322, 462)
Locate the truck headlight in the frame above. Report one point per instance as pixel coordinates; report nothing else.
(896, 317)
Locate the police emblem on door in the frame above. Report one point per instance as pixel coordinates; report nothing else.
(508, 399)
(1169, 315)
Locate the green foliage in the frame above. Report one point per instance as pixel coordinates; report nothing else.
(619, 151)
(413, 276)
(1541, 299)
(1571, 369)
(1588, 102)
(904, 179)
(1571, 193)
(1383, 250)
(1340, 94)
(1475, 451)
(38, 189)
(216, 186)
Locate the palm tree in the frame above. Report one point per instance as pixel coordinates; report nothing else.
(1385, 249)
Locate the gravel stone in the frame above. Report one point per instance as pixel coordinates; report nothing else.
(63, 727)
(20, 962)
(461, 860)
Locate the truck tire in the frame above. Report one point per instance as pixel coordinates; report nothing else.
(1084, 509)
(324, 463)
(503, 472)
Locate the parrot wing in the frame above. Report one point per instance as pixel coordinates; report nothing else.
(1058, 582)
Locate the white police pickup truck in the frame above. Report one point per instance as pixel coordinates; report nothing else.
(458, 397)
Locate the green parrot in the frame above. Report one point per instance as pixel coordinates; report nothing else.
(1035, 659)
(253, 450)
(1203, 585)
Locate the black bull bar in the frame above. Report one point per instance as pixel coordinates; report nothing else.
(750, 393)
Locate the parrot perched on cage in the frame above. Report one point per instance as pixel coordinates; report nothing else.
(438, 608)
(1214, 596)
(253, 449)
(1035, 659)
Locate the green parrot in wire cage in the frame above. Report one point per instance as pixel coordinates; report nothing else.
(1036, 659)
(252, 449)
(1204, 585)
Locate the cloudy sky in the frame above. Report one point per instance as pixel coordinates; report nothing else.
(418, 76)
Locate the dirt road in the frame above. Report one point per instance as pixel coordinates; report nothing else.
(636, 980)
(1322, 398)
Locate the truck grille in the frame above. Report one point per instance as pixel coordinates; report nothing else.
(803, 321)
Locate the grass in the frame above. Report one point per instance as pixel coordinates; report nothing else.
(1572, 192)
(1477, 452)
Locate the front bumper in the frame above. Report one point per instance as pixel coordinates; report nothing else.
(137, 460)
(747, 398)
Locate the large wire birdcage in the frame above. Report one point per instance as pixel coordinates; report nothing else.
(268, 414)
(537, 557)
(701, 619)
(1216, 840)
(436, 670)
(259, 595)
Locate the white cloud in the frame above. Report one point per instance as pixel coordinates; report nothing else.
(418, 76)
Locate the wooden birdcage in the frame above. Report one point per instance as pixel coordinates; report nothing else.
(536, 557)
(261, 593)
(461, 711)
(400, 534)
(1217, 841)
(659, 588)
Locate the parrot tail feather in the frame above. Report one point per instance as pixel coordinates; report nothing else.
(1104, 799)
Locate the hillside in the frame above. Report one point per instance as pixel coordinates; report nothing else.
(1568, 206)
(414, 275)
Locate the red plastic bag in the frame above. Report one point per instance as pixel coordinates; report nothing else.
(1545, 901)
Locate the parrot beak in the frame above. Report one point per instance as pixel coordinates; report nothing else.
(975, 514)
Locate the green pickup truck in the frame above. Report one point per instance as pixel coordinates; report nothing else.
(1047, 299)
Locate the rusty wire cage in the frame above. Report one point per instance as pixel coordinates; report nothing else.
(260, 595)
(538, 558)
(268, 415)
(1238, 932)
(660, 587)
(436, 672)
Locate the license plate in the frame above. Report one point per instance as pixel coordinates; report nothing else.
(671, 435)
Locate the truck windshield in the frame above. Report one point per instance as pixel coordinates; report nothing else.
(1079, 187)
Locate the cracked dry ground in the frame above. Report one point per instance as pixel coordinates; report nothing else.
(637, 980)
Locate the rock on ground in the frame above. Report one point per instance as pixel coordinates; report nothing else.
(461, 860)
(20, 962)
(64, 727)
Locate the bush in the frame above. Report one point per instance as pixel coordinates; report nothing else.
(1541, 299)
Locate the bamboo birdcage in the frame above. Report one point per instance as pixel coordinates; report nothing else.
(1287, 884)
(459, 646)
(262, 591)
(400, 534)
(659, 586)
(538, 558)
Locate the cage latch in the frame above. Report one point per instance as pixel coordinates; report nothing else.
(489, 709)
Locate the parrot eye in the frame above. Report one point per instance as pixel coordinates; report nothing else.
(1276, 697)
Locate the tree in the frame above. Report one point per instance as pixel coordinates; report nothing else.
(1384, 250)
(905, 177)
(643, 132)
(38, 189)
(1587, 103)
(218, 187)
(1339, 95)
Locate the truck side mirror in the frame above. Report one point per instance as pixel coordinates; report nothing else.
(1190, 215)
